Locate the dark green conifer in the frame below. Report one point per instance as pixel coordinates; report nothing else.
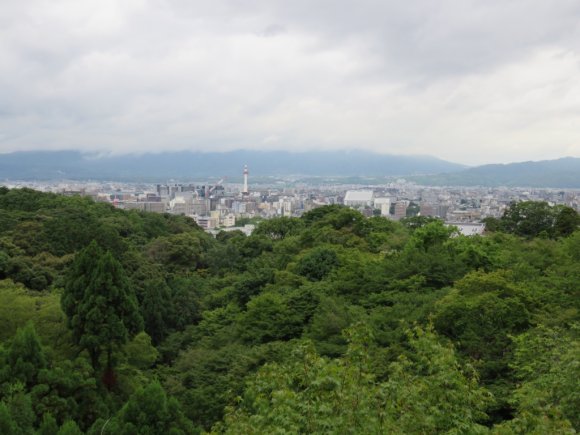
(48, 425)
(100, 304)
(25, 356)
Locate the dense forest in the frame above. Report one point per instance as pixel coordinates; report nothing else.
(116, 322)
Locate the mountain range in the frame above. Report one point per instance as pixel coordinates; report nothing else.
(195, 165)
(188, 165)
(559, 173)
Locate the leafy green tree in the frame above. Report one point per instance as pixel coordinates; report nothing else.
(528, 218)
(318, 263)
(429, 253)
(320, 213)
(224, 258)
(414, 222)
(179, 251)
(279, 228)
(250, 284)
(431, 234)
(492, 224)
(268, 318)
(7, 424)
(184, 306)
(69, 428)
(331, 317)
(156, 308)
(25, 356)
(254, 245)
(69, 390)
(534, 218)
(100, 305)
(140, 352)
(546, 363)
(567, 221)
(48, 426)
(303, 302)
(20, 407)
(149, 412)
(207, 378)
(479, 315)
(431, 393)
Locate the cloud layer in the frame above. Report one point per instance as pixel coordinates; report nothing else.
(469, 81)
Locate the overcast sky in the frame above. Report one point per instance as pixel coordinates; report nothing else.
(468, 81)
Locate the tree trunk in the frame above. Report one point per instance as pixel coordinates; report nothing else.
(94, 354)
(109, 378)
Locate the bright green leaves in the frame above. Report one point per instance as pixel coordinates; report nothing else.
(149, 412)
(546, 363)
(310, 394)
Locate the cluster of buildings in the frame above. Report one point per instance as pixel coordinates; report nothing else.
(222, 205)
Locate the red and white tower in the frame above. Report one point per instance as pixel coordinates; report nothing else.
(245, 189)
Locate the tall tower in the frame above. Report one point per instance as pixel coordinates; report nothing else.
(245, 189)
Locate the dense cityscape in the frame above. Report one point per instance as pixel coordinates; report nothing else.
(220, 205)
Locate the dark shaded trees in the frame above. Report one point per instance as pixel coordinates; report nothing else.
(317, 263)
(534, 218)
(99, 303)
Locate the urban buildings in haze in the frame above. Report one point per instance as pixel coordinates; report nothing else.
(220, 204)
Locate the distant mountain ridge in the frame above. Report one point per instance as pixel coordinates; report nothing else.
(559, 173)
(47, 165)
(189, 165)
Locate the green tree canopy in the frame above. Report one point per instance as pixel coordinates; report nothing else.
(100, 305)
(25, 356)
(148, 412)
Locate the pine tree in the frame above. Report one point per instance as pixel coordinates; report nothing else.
(48, 425)
(25, 356)
(7, 425)
(69, 428)
(148, 411)
(100, 305)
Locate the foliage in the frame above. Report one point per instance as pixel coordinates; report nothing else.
(25, 356)
(317, 264)
(313, 324)
(535, 218)
(99, 304)
(148, 411)
(315, 395)
(546, 363)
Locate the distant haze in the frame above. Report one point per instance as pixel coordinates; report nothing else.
(468, 81)
(47, 165)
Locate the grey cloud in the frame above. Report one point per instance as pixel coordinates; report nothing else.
(430, 38)
(416, 76)
(273, 30)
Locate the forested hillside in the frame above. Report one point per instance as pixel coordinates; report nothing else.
(117, 322)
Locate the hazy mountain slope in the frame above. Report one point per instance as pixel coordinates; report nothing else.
(562, 173)
(191, 165)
